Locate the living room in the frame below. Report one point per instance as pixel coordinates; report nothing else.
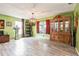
(39, 29)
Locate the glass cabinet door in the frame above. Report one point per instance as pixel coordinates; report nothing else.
(61, 26)
(53, 26)
(66, 26)
(56, 26)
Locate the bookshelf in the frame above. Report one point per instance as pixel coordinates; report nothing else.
(28, 29)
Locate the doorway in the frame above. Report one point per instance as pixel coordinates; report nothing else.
(18, 29)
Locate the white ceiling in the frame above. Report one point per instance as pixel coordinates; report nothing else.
(40, 10)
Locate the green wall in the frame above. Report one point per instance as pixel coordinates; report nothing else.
(76, 13)
(8, 29)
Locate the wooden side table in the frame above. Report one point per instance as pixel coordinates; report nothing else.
(4, 38)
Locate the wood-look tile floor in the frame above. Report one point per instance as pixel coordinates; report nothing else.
(30, 47)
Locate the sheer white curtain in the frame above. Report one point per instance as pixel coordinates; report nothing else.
(42, 27)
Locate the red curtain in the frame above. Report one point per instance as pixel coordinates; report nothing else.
(37, 26)
(47, 26)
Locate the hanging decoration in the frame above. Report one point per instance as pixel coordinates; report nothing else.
(32, 19)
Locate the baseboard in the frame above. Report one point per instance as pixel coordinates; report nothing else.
(77, 51)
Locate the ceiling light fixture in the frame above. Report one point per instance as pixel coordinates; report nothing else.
(32, 20)
(69, 3)
(32, 16)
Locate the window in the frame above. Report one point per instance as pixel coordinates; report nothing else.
(18, 24)
(42, 27)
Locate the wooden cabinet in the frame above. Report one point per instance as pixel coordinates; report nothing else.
(4, 38)
(60, 30)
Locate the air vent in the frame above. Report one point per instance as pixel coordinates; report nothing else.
(69, 3)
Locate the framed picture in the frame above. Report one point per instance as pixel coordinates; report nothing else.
(1, 24)
(8, 24)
